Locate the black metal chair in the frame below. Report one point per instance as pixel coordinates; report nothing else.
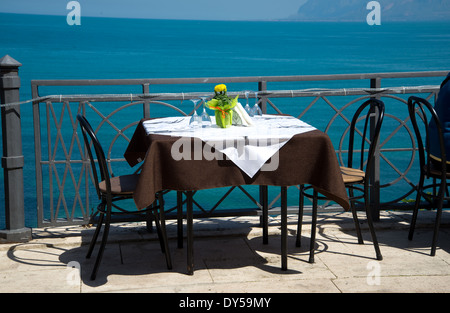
(436, 170)
(356, 179)
(113, 189)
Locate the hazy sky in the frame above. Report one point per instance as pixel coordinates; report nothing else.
(163, 9)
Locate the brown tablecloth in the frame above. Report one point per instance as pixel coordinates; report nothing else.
(307, 158)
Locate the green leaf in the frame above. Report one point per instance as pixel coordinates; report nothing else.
(212, 103)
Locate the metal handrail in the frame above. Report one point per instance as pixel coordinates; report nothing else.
(265, 93)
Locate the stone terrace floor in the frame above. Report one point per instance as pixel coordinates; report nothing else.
(230, 257)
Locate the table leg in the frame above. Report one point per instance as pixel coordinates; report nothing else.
(313, 228)
(190, 235)
(180, 219)
(284, 228)
(263, 199)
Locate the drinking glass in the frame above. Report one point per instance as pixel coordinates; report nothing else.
(195, 120)
(256, 110)
(205, 119)
(247, 108)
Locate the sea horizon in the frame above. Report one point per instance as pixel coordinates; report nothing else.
(275, 20)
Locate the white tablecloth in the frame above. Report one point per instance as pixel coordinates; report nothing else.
(248, 147)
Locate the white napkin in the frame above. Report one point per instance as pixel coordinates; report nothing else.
(246, 119)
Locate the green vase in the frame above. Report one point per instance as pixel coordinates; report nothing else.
(224, 121)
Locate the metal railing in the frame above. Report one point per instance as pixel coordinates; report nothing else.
(63, 186)
(64, 160)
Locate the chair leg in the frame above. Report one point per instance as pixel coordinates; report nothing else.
(436, 230)
(162, 235)
(95, 236)
(103, 243)
(159, 231)
(357, 226)
(298, 241)
(180, 219)
(437, 222)
(355, 217)
(313, 228)
(164, 232)
(372, 229)
(149, 221)
(412, 226)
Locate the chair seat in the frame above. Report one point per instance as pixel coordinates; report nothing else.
(434, 172)
(352, 175)
(121, 185)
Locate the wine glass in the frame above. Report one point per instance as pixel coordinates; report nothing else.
(256, 110)
(195, 120)
(205, 119)
(247, 107)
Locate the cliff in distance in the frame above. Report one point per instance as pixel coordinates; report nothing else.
(391, 10)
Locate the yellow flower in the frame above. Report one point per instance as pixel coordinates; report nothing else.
(220, 88)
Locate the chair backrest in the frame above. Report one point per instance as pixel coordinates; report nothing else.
(88, 133)
(376, 109)
(422, 108)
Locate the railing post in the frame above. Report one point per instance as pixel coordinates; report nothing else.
(146, 90)
(12, 160)
(375, 177)
(262, 86)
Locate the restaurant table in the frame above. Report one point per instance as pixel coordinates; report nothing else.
(308, 158)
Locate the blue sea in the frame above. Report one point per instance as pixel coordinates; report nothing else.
(112, 48)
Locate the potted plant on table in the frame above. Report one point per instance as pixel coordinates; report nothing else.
(223, 106)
